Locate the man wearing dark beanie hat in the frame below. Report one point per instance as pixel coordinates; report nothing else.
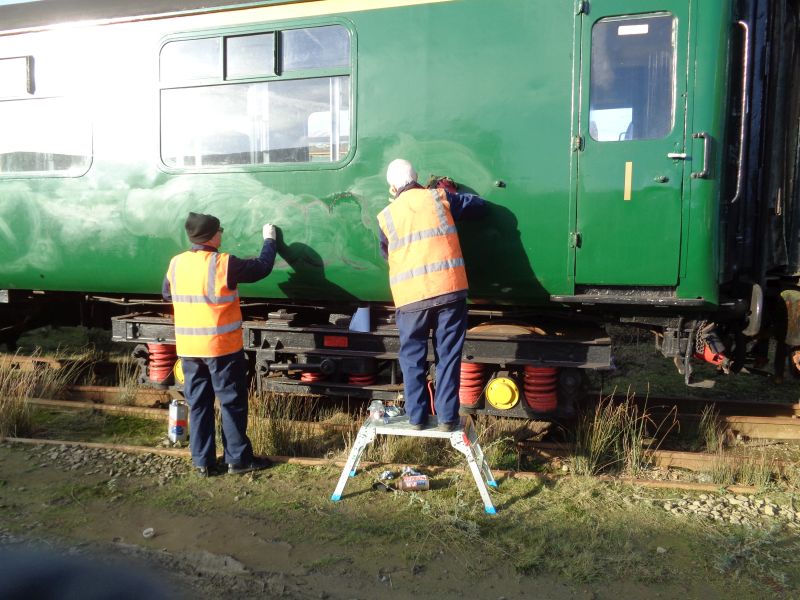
(201, 228)
(202, 284)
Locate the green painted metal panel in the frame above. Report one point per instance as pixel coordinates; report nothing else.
(633, 107)
(479, 105)
(708, 111)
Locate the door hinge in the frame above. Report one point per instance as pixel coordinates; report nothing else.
(575, 239)
(577, 143)
(581, 7)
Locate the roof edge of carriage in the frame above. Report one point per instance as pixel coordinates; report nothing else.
(28, 17)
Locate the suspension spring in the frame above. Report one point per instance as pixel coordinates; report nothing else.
(311, 376)
(160, 362)
(541, 385)
(361, 379)
(472, 378)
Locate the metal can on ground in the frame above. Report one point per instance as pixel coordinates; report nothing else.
(414, 483)
(178, 428)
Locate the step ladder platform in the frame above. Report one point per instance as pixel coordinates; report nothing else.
(401, 426)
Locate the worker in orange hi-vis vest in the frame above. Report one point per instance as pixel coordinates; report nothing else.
(429, 287)
(202, 284)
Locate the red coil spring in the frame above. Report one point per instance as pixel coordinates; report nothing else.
(311, 376)
(541, 385)
(161, 361)
(472, 377)
(361, 379)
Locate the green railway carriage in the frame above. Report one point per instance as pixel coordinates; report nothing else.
(623, 148)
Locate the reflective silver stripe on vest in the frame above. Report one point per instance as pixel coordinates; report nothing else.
(441, 230)
(421, 235)
(426, 269)
(209, 330)
(192, 299)
(212, 280)
(392, 233)
(171, 275)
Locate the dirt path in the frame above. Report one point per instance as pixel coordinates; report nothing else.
(275, 535)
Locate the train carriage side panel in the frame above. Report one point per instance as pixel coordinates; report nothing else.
(432, 82)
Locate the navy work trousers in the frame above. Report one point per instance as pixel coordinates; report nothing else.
(226, 378)
(449, 325)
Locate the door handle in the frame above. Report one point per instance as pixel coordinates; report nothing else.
(744, 108)
(706, 155)
(677, 155)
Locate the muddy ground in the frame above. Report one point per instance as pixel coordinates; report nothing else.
(276, 534)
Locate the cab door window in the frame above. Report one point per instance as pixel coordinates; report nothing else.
(632, 87)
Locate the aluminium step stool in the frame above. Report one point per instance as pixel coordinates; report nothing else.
(464, 439)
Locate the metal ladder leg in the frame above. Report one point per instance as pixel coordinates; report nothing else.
(365, 436)
(472, 436)
(369, 436)
(460, 442)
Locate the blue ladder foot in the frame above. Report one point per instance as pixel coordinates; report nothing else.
(353, 473)
(491, 510)
(335, 497)
(492, 483)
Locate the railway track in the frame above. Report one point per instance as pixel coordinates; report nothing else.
(741, 419)
(662, 459)
(150, 403)
(338, 464)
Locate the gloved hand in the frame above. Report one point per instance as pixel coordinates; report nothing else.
(268, 231)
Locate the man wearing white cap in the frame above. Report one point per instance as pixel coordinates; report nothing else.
(429, 287)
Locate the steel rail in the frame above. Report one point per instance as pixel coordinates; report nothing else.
(665, 459)
(693, 461)
(783, 428)
(147, 396)
(323, 462)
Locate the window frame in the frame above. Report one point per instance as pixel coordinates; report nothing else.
(275, 28)
(673, 71)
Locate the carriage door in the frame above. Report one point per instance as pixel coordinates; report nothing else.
(631, 161)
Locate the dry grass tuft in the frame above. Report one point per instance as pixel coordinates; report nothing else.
(618, 437)
(127, 380)
(22, 378)
(290, 425)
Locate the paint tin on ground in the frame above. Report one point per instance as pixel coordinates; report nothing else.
(178, 428)
(414, 483)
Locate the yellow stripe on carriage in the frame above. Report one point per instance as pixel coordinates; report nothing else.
(628, 180)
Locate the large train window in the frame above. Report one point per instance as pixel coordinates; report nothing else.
(632, 89)
(256, 99)
(44, 137)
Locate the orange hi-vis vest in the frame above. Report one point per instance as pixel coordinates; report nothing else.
(425, 257)
(208, 320)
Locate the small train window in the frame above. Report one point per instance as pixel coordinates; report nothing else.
(315, 48)
(255, 111)
(16, 76)
(44, 137)
(190, 59)
(249, 55)
(632, 88)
